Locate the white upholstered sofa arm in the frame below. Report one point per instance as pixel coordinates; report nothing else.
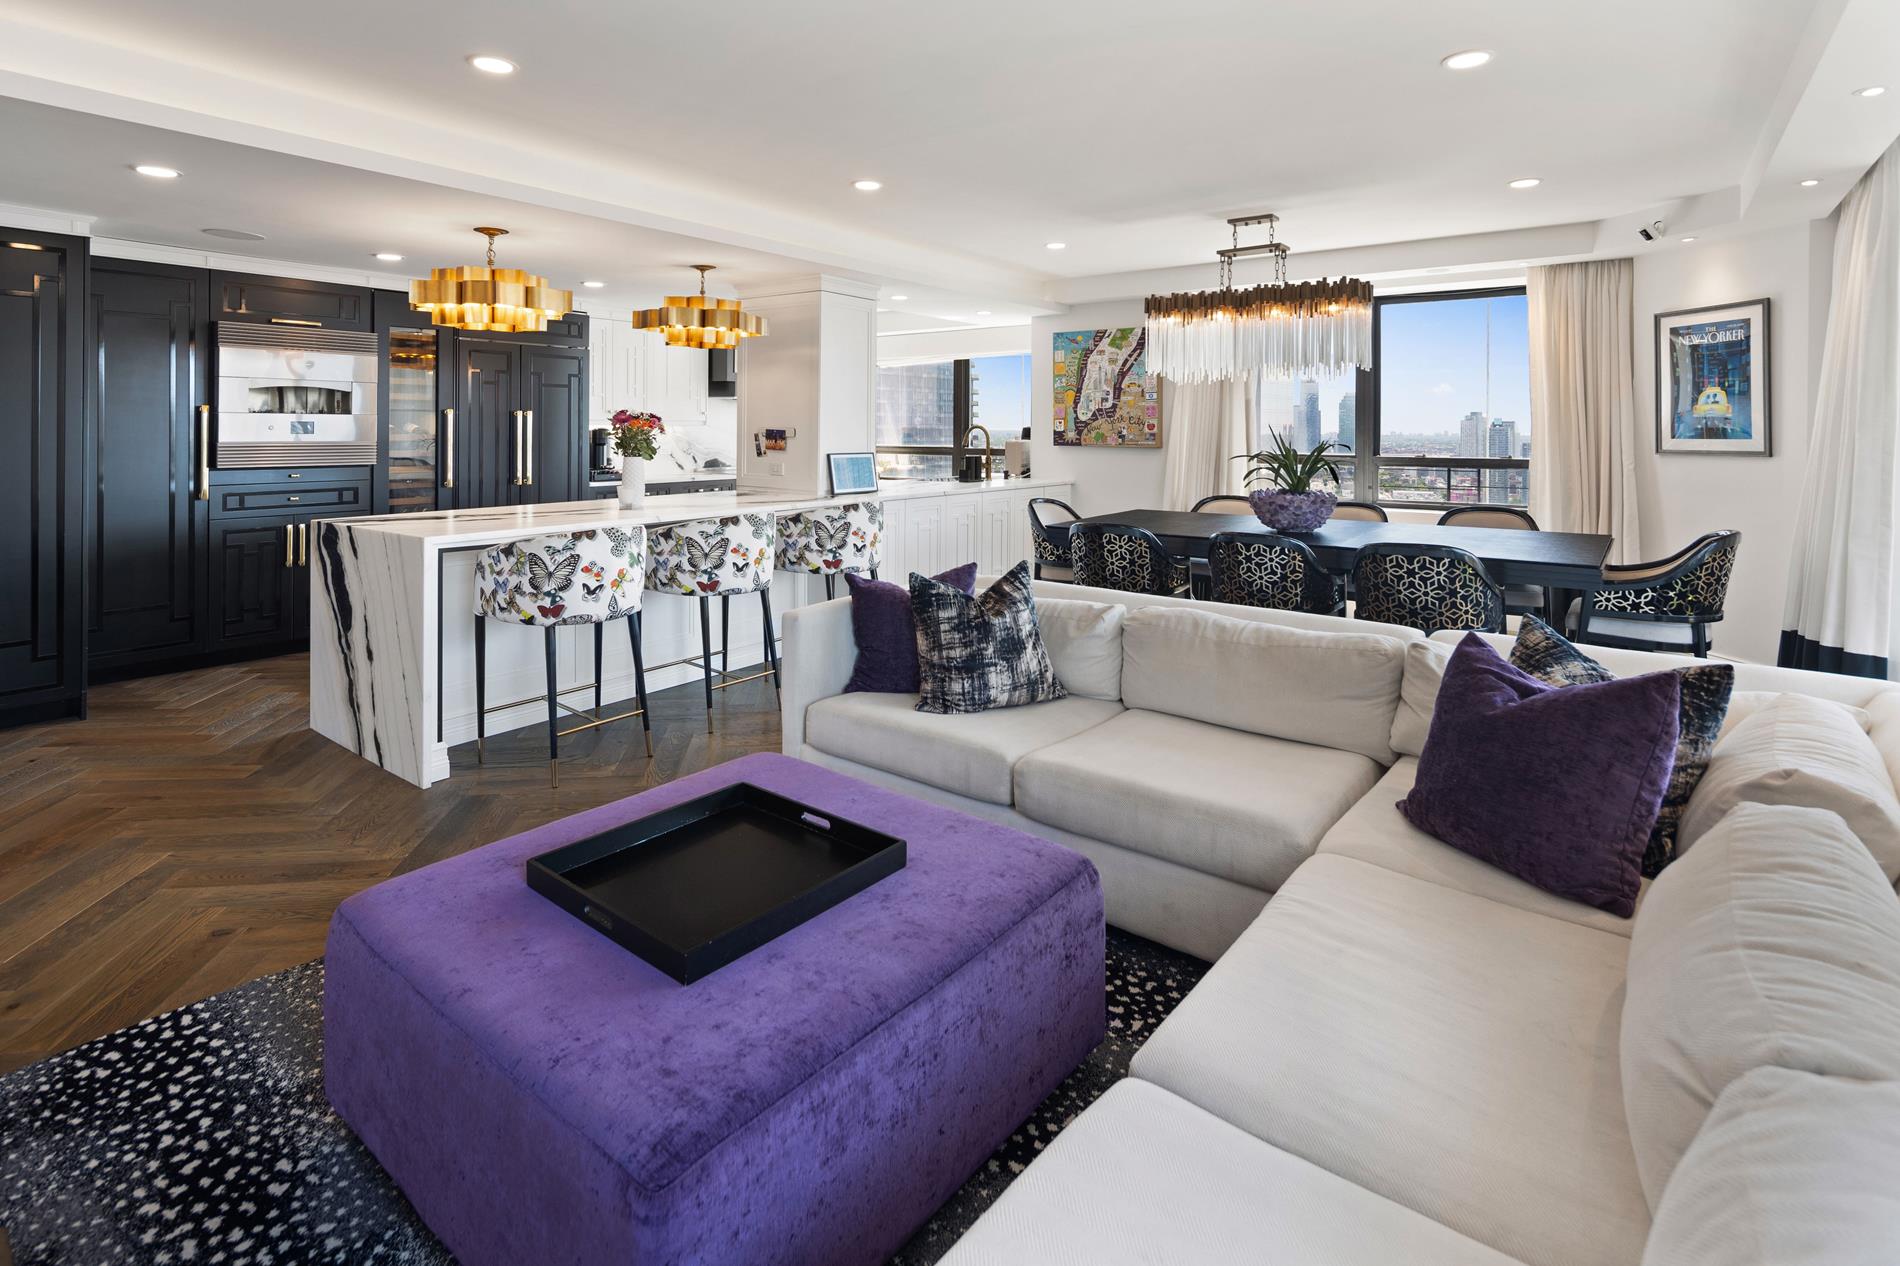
(818, 655)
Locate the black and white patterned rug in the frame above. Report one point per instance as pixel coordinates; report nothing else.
(203, 1136)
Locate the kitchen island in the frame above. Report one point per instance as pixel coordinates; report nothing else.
(392, 664)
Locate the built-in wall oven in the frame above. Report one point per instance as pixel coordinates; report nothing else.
(291, 395)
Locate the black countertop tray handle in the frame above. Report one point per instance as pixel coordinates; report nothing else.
(694, 887)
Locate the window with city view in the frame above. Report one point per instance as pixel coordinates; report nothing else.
(1443, 420)
(925, 412)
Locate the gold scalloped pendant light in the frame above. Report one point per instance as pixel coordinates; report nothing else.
(484, 297)
(700, 321)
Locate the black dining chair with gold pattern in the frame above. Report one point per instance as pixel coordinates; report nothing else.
(1049, 521)
(1219, 503)
(1265, 569)
(1117, 556)
(1667, 605)
(1518, 599)
(1428, 587)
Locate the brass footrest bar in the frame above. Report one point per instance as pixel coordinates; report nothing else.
(538, 700)
(597, 722)
(726, 677)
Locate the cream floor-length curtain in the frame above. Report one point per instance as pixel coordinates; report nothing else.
(1583, 401)
(1839, 612)
(1207, 425)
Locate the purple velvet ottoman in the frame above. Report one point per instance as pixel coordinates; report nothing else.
(543, 1096)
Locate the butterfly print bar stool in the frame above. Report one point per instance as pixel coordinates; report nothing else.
(832, 540)
(718, 558)
(590, 577)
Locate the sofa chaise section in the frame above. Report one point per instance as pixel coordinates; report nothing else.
(1448, 1052)
(1145, 1176)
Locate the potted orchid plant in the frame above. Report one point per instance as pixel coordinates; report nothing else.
(637, 440)
(1289, 502)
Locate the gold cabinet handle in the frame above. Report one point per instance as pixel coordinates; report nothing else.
(528, 448)
(290, 544)
(204, 452)
(448, 440)
(303, 545)
(518, 431)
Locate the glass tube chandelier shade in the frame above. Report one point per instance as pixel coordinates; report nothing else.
(1275, 330)
(484, 297)
(699, 320)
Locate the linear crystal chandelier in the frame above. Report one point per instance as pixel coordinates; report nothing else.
(1276, 330)
(700, 321)
(484, 297)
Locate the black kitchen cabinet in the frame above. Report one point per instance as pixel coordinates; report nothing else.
(260, 579)
(147, 328)
(408, 477)
(289, 301)
(520, 424)
(42, 423)
(722, 373)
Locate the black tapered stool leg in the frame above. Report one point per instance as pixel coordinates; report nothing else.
(705, 651)
(831, 585)
(640, 679)
(725, 634)
(481, 688)
(554, 735)
(771, 642)
(874, 573)
(600, 632)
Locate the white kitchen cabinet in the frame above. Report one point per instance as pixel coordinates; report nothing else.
(962, 541)
(895, 550)
(927, 549)
(681, 392)
(1004, 530)
(617, 369)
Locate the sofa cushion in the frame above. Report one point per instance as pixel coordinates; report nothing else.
(1801, 751)
(982, 652)
(1790, 1170)
(1559, 785)
(886, 631)
(1145, 1176)
(1451, 1053)
(1242, 806)
(1084, 640)
(1332, 689)
(1778, 943)
(972, 754)
(1374, 830)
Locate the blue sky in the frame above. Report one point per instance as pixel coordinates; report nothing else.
(1432, 369)
(1002, 394)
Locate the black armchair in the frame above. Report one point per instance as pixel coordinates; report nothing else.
(1116, 556)
(1265, 569)
(1049, 536)
(1667, 605)
(1429, 587)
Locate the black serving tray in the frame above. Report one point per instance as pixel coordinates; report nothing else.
(692, 888)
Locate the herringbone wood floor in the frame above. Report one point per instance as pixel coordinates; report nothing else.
(192, 833)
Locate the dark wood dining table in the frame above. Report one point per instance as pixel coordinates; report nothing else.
(1563, 563)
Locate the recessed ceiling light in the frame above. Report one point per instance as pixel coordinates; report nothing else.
(899, 298)
(492, 65)
(1874, 91)
(1528, 182)
(389, 257)
(234, 235)
(1470, 59)
(1056, 246)
(982, 311)
(867, 186)
(156, 172)
(1689, 239)
(1809, 183)
(593, 285)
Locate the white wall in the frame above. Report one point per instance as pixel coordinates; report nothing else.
(1105, 479)
(1683, 495)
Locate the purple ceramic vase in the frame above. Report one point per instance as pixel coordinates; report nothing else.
(1292, 511)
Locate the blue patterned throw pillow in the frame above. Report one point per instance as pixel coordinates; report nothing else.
(980, 652)
(1544, 653)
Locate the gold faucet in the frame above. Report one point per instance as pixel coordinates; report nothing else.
(987, 444)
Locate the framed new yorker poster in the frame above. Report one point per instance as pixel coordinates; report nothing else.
(1712, 380)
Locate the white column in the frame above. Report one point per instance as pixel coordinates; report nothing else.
(814, 377)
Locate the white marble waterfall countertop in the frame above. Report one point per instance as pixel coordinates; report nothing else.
(450, 528)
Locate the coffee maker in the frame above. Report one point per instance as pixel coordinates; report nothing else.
(600, 451)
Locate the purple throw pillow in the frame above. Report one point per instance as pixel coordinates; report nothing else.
(1558, 785)
(887, 632)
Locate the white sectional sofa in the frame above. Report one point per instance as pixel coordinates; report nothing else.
(1406, 1055)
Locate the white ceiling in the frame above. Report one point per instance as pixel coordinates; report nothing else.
(1128, 130)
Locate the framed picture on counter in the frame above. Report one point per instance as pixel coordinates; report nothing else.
(1712, 380)
(852, 472)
